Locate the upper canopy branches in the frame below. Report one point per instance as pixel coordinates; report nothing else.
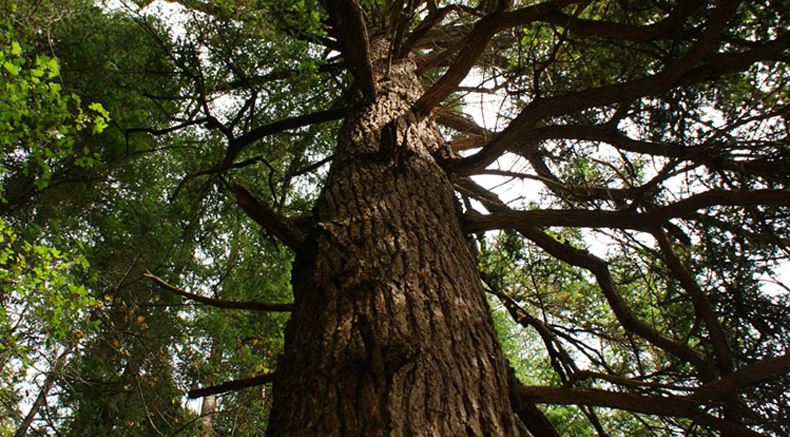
(554, 63)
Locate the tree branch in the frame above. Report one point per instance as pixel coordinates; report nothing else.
(278, 225)
(753, 373)
(474, 44)
(559, 358)
(666, 28)
(598, 267)
(233, 385)
(348, 21)
(647, 221)
(237, 144)
(702, 306)
(49, 380)
(461, 124)
(604, 133)
(530, 415)
(220, 303)
(655, 405)
(434, 17)
(679, 74)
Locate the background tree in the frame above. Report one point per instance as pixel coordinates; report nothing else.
(636, 166)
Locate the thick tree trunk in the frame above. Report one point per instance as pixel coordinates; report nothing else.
(390, 333)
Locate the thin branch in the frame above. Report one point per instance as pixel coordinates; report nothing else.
(52, 375)
(605, 133)
(220, 303)
(309, 168)
(474, 44)
(158, 132)
(559, 358)
(434, 17)
(598, 267)
(237, 145)
(666, 28)
(462, 124)
(702, 306)
(627, 382)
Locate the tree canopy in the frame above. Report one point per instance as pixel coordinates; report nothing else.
(172, 171)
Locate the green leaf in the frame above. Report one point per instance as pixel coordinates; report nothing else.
(11, 68)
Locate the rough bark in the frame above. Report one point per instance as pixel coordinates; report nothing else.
(390, 332)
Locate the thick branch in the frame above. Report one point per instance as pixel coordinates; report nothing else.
(471, 47)
(530, 415)
(233, 385)
(279, 226)
(220, 303)
(753, 373)
(648, 221)
(655, 405)
(348, 21)
(702, 307)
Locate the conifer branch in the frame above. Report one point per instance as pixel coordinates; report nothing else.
(232, 385)
(647, 221)
(279, 226)
(753, 373)
(678, 74)
(656, 405)
(221, 303)
(598, 267)
(348, 21)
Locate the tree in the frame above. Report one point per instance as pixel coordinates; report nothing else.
(43, 302)
(643, 146)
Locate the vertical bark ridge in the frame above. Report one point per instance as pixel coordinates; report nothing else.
(390, 333)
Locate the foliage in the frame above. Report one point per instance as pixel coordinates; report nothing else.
(38, 122)
(45, 304)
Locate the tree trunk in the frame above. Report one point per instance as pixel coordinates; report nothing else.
(390, 333)
(43, 392)
(207, 410)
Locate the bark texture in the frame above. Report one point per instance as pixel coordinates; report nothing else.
(390, 332)
(207, 410)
